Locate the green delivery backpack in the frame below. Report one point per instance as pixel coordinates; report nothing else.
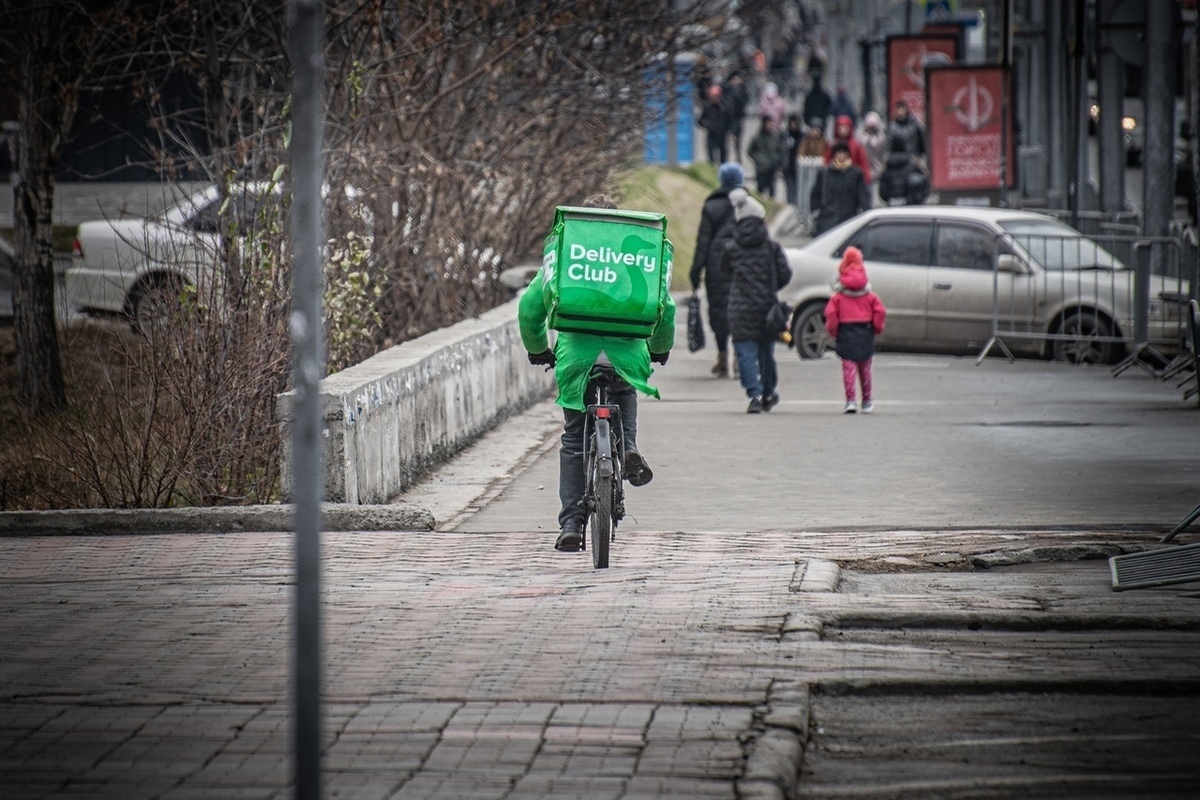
(606, 271)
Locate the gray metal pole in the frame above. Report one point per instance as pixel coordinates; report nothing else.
(306, 27)
(1194, 144)
(1079, 105)
(1056, 81)
(1034, 158)
(1159, 157)
(1158, 161)
(1110, 135)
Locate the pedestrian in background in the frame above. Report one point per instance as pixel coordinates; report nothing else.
(813, 144)
(715, 120)
(768, 151)
(843, 131)
(771, 105)
(854, 316)
(715, 235)
(903, 181)
(843, 106)
(756, 267)
(736, 97)
(840, 192)
(905, 128)
(874, 141)
(817, 102)
(794, 134)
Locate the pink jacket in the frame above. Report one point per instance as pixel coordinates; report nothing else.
(854, 301)
(771, 105)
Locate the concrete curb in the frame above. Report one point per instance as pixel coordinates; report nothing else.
(777, 753)
(818, 575)
(231, 519)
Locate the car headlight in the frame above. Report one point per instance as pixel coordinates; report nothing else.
(1129, 123)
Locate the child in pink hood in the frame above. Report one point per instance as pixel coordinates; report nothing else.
(854, 317)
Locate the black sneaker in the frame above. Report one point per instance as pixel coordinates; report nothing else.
(570, 539)
(770, 401)
(637, 471)
(756, 406)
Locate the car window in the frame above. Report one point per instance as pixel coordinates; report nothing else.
(965, 247)
(1057, 247)
(895, 242)
(245, 211)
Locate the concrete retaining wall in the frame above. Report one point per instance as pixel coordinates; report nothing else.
(395, 416)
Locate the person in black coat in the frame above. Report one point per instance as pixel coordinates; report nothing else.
(794, 133)
(715, 119)
(840, 192)
(715, 234)
(736, 97)
(904, 127)
(902, 181)
(757, 270)
(818, 105)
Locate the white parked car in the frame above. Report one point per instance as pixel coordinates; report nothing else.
(137, 267)
(950, 276)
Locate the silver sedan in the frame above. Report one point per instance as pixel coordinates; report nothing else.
(955, 279)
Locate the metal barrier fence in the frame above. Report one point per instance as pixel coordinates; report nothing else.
(1089, 299)
(807, 169)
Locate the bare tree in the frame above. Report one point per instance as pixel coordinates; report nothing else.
(58, 51)
(468, 122)
(454, 131)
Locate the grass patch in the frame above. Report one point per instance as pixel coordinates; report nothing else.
(678, 192)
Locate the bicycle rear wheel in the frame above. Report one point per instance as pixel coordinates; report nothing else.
(601, 499)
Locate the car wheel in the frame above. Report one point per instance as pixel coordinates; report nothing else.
(1084, 331)
(808, 333)
(156, 306)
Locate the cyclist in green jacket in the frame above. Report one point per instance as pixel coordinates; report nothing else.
(573, 356)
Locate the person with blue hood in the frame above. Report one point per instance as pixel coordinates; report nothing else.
(714, 237)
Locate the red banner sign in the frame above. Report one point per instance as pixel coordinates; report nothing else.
(970, 123)
(907, 59)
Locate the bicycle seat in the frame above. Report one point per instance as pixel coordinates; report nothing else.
(603, 372)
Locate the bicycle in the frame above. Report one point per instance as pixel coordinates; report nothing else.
(603, 458)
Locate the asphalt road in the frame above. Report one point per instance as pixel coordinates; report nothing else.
(951, 445)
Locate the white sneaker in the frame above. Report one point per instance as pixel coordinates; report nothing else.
(868, 407)
(851, 407)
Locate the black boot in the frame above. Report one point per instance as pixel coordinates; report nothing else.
(721, 368)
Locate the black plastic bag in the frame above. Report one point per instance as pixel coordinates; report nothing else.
(695, 325)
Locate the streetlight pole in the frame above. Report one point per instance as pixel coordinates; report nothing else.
(306, 28)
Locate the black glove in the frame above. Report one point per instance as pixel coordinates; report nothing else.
(660, 358)
(544, 358)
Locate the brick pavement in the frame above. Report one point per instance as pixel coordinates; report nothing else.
(457, 666)
(487, 666)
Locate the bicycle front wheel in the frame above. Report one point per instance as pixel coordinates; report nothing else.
(601, 500)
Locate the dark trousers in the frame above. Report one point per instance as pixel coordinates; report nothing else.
(766, 182)
(756, 367)
(792, 182)
(718, 317)
(572, 479)
(716, 147)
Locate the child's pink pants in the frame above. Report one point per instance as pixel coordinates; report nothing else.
(861, 369)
